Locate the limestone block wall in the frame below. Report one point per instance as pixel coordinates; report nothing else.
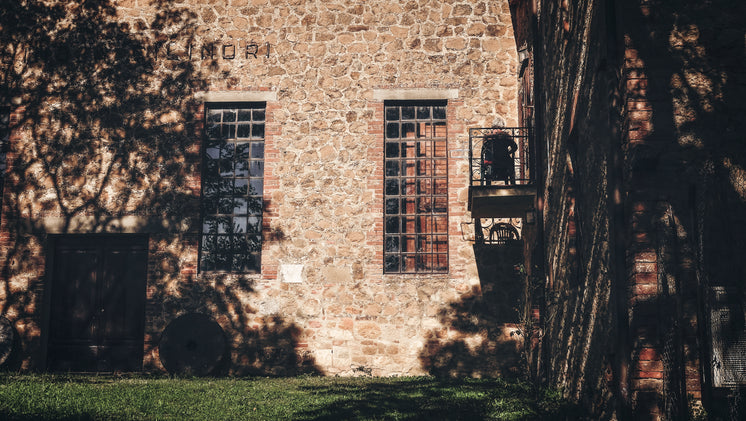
(324, 71)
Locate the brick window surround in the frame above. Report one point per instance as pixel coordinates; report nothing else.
(415, 187)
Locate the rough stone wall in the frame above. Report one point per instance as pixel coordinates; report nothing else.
(639, 103)
(326, 67)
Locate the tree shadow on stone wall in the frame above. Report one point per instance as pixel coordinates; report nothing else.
(697, 97)
(684, 166)
(482, 334)
(257, 344)
(106, 135)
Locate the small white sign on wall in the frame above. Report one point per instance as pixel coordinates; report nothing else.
(291, 273)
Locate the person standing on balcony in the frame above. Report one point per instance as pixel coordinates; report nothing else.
(498, 161)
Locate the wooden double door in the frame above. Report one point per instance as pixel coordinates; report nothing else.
(97, 303)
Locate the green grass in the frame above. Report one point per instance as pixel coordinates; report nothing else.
(77, 397)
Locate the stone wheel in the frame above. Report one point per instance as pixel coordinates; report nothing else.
(6, 339)
(192, 344)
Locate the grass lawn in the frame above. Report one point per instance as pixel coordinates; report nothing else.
(78, 397)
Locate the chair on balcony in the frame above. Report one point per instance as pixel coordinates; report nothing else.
(503, 233)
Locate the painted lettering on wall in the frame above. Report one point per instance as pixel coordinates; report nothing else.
(232, 50)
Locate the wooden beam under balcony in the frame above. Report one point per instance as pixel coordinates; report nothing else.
(501, 201)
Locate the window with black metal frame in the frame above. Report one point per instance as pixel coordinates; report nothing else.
(415, 187)
(232, 188)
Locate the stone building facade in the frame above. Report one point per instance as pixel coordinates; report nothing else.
(290, 182)
(129, 117)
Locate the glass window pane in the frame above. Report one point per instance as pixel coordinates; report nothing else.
(408, 186)
(409, 168)
(392, 244)
(392, 150)
(244, 115)
(408, 149)
(424, 168)
(229, 116)
(441, 186)
(407, 131)
(392, 130)
(209, 242)
(408, 206)
(229, 131)
(392, 113)
(392, 187)
(408, 243)
(424, 130)
(392, 168)
(408, 224)
(227, 151)
(242, 150)
(440, 166)
(424, 204)
(257, 131)
(240, 206)
(424, 244)
(424, 263)
(226, 168)
(256, 187)
(244, 130)
(257, 168)
(259, 114)
(255, 224)
(257, 149)
(407, 113)
(424, 186)
(440, 204)
(214, 116)
(209, 225)
(408, 263)
(214, 131)
(225, 205)
(242, 169)
(440, 224)
(439, 112)
(240, 187)
(392, 224)
(423, 112)
(392, 206)
(391, 263)
(224, 226)
(440, 148)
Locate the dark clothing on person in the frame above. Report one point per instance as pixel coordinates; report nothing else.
(497, 157)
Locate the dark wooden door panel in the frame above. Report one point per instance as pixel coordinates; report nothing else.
(74, 288)
(122, 294)
(97, 303)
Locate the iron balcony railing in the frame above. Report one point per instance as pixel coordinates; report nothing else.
(500, 156)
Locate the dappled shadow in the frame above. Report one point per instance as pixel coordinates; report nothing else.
(256, 345)
(693, 156)
(651, 120)
(432, 399)
(102, 130)
(106, 137)
(482, 333)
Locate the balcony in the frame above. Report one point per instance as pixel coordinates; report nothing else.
(501, 180)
